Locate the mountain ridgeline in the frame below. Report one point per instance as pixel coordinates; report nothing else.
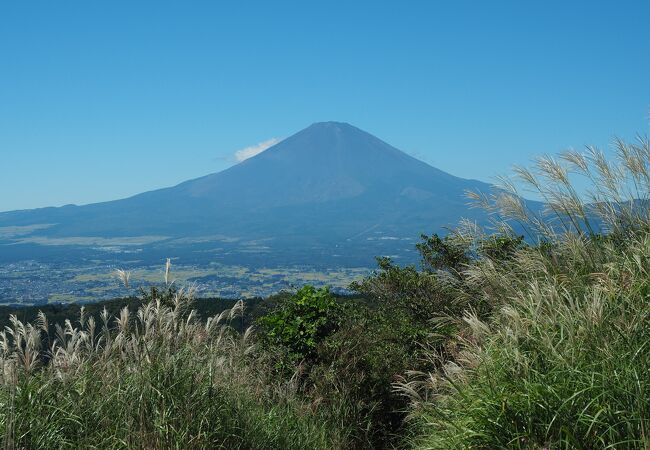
(331, 189)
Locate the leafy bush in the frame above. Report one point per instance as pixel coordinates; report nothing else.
(346, 355)
(301, 322)
(447, 254)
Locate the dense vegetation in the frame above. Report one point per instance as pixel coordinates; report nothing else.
(493, 341)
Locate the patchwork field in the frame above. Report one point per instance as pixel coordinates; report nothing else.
(32, 283)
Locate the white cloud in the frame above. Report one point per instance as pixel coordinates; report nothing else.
(249, 152)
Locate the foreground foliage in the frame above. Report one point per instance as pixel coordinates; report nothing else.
(161, 379)
(492, 341)
(561, 363)
(560, 359)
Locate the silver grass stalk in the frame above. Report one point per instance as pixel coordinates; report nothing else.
(168, 266)
(124, 276)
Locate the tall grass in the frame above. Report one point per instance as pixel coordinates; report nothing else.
(159, 378)
(539, 345)
(564, 359)
(615, 199)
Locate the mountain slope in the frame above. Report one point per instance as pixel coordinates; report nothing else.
(327, 184)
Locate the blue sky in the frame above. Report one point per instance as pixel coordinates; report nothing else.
(102, 100)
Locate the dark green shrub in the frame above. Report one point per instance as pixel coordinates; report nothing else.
(446, 254)
(500, 247)
(301, 322)
(165, 294)
(374, 346)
